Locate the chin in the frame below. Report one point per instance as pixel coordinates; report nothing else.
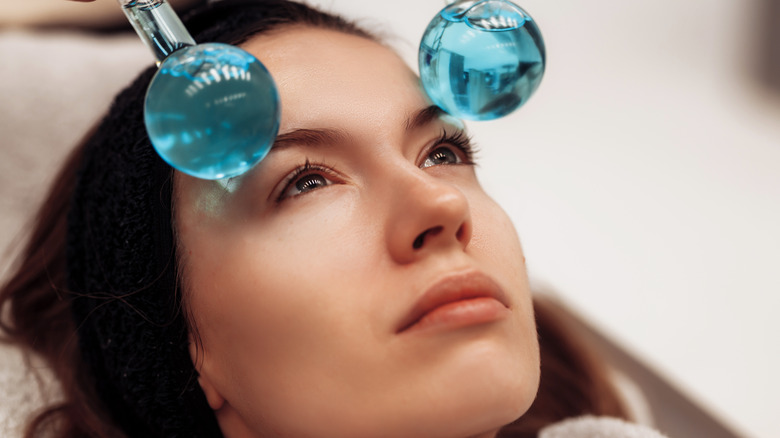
(483, 387)
(500, 384)
(471, 387)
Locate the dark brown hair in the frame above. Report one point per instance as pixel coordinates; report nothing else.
(54, 310)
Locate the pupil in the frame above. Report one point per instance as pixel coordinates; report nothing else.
(441, 156)
(310, 182)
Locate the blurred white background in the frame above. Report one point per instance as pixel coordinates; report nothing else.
(643, 178)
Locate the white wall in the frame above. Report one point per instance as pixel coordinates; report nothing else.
(644, 180)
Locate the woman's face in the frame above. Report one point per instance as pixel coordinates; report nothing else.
(358, 282)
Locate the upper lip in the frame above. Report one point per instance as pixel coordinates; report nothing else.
(452, 288)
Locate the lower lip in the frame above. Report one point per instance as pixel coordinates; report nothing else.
(462, 313)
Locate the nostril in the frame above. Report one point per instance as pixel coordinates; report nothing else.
(420, 240)
(461, 231)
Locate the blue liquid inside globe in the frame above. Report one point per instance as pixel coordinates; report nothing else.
(481, 60)
(212, 111)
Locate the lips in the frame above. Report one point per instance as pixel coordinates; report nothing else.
(457, 300)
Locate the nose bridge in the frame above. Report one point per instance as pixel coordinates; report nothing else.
(428, 213)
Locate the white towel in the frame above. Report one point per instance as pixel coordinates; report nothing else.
(598, 427)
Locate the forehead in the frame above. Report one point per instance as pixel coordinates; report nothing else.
(329, 78)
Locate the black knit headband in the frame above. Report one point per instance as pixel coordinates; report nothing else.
(121, 269)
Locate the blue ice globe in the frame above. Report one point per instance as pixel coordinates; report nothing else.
(212, 110)
(481, 59)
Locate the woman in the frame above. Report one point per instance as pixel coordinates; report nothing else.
(358, 282)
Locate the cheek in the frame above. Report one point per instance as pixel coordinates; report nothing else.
(494, 236)
(496, 243)
(258, 282)
(282, 307)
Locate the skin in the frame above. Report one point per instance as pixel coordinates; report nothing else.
(297, 301)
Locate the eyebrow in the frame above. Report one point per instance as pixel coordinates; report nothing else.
(310, 137)
(423, 117)
(327, 136)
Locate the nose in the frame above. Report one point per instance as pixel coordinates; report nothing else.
(428, 215)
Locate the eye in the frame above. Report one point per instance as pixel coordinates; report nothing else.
(450, 148)
(441, 155)
(308, 178)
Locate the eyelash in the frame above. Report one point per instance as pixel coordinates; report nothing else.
(458, 139)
